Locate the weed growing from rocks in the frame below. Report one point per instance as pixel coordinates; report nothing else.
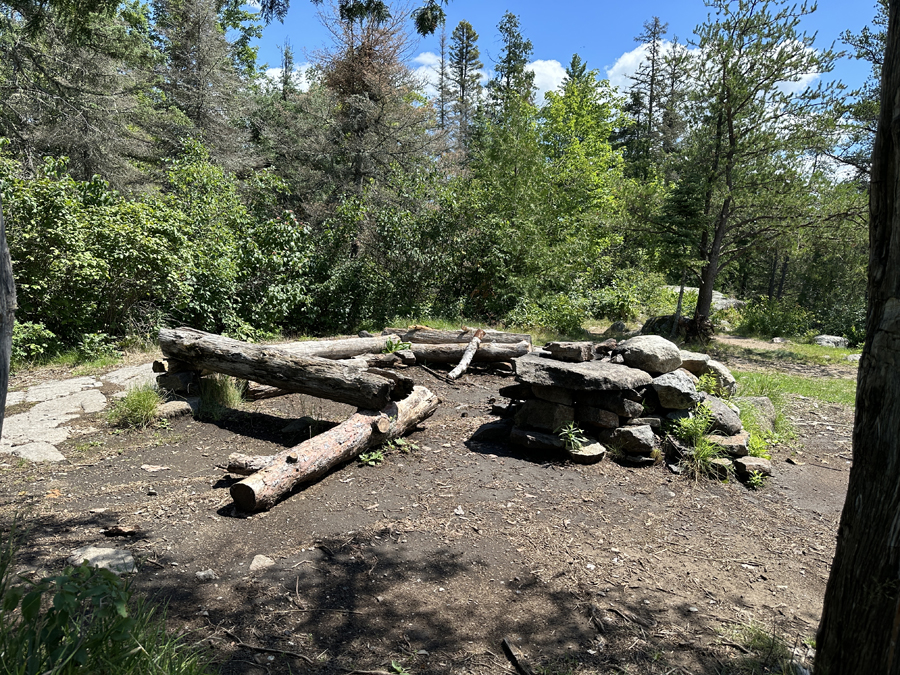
(692, 431)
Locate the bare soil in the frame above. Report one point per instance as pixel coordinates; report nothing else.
(432, 558)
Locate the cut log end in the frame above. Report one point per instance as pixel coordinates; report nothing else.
(244, 497)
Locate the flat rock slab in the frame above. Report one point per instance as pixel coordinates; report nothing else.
(747, 465)
(37, 452)
(694, 362)
(47, 391)
(589, 376)
(131, 376)
(42, 422)
(735, 446)
(831, 341)
(115, 560)
(261, 562)
(587, 454)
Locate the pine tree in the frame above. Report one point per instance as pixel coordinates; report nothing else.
(465, 77)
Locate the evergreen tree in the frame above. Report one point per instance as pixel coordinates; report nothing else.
(465, 77)
(512, 78)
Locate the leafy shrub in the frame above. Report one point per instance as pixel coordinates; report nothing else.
(95, 346)
(137, 409)
(32, 341)
(560, 313)
(692, 430)
(84, 620)
(771, 317)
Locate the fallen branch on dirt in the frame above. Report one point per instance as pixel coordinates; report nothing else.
(463, 366)
(443, 337)
(275, 367)
(266, 650)
(516, 658)
(453, 353)
(316, 456)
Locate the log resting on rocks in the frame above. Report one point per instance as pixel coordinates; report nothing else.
(277, 368)
(453, 353)
(316, 456)
(431, 336)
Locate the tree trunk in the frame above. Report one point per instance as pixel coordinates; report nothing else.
(860, 627)
(466, 359)
(487, 353)
(431, 336)
(313, 458)
(338, 349)
(276, 368)
(7, 314)
(677, 318)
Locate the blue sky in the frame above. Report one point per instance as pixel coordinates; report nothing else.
(601, 32)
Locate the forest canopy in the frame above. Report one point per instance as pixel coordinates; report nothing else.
(151, 173)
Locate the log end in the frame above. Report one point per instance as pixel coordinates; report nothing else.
(244, 497)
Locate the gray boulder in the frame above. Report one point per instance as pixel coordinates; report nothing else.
(651, 353)
(694, 362)
(631, 440)
(587, 454)
(539, 414)
(676, 391)
(725, 420)
(747, 465)
(831, 341)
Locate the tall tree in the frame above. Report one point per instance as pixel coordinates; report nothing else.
(465, 77)
(648, 82)
(858, 632)
(750, 133)
(511, 75)
(443, 88)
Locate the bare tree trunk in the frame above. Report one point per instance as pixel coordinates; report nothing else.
(315, 457)
(7, 313)
(860, 628)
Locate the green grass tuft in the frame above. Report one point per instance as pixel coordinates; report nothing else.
(219, 396)
(137, 409)
(777, 385)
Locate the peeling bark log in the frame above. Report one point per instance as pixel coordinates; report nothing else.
(453, 353)
(338, 349)
(275, 367)
(315, 457)
(442, 337)
(466, 359)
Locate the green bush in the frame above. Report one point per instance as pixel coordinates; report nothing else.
(32, 342)
(771, 317)
(84, 620)
(137, 409)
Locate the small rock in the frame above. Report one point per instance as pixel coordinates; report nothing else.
(206, 575)
(153, 468)
(260, 562)
(364, 334)
(631, 440)
(115, 560)
(853, 357)
(459, 511)
(617, 328)
(735, 446)
(779, 340)
(721, 467)
(654, 422)
(152, 492)
(173, 409)
(587, 454)
(747, 465)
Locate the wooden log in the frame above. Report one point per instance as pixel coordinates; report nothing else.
(431, 336)
(453, 353)
(315, 457)
(247, 465)
(338, 349)
(466, 359)
(274, 367)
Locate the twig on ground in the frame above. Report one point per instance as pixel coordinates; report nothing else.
(267, 650)
(515, 657)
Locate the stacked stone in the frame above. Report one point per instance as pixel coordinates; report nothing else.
(620, 396)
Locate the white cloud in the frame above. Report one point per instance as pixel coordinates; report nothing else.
(548, 75)
(428, 68)
(299, 77)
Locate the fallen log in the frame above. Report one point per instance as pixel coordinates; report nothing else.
(453, 353)
(313, 458)
(432, 336)
(247, 465)
(276, 368)
(466, 359)
(345, 348)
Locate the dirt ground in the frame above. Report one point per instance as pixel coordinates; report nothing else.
(432, 558)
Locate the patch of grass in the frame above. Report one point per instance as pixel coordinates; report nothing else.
(791, 352)
(692, 431)
(769, 652)
(219, 396)
(95, 365)
(776, 385)
(84, 620)
(137, 409)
